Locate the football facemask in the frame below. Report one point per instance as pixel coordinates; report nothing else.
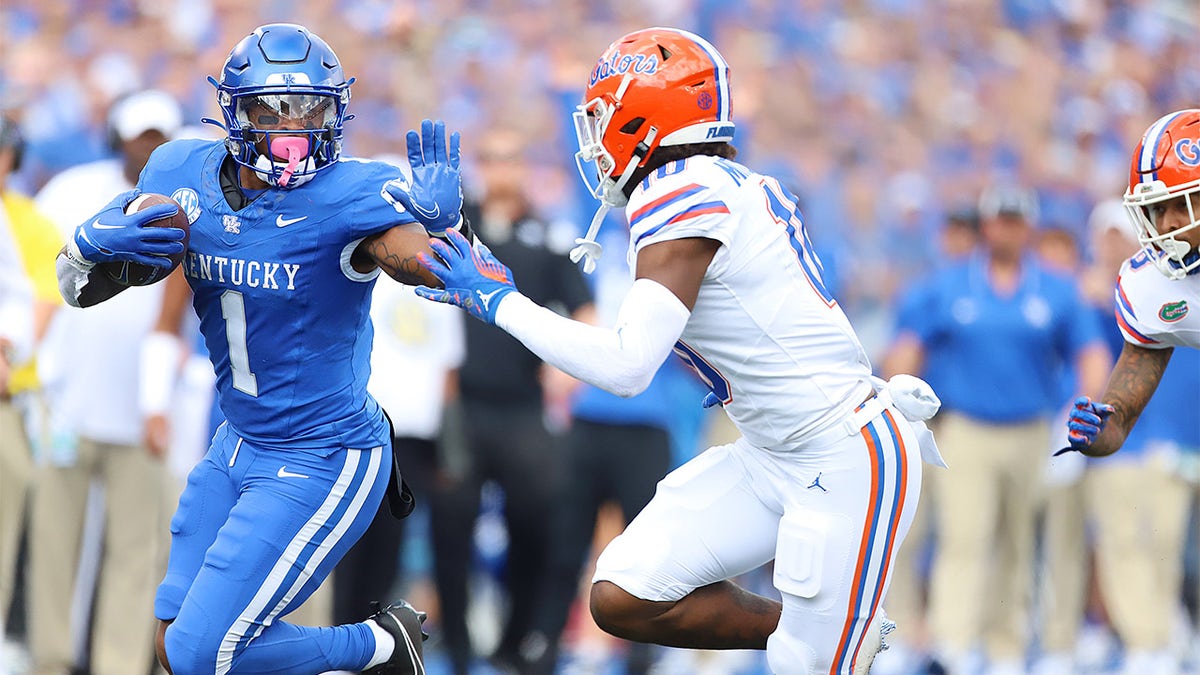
(281, 81)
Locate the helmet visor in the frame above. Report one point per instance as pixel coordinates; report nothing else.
(287, 111)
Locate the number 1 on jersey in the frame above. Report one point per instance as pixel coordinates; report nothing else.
(233, 310)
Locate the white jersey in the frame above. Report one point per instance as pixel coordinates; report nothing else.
(1155, 312)
(415, 341)
(764, 333)
(89, 359)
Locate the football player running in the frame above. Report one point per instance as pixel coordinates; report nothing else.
(1156, 288)
(825, 478)
(286, 242)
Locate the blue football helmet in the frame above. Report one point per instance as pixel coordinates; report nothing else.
(283, 85)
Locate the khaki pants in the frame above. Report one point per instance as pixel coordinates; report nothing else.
(1140, 512)
(16, 468)
(1064, 588)
(133, 562)
(987, 502)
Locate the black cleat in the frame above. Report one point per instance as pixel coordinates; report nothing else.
(404, 624)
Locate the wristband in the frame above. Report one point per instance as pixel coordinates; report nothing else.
(158, 365)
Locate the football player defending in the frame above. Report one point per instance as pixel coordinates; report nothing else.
(286, 243)
(825, 477)
(1163, 204)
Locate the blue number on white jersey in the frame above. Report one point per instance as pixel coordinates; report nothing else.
(707, 372)
(783, 207)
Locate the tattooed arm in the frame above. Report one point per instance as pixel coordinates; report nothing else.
(395, 252)
(1132, 383)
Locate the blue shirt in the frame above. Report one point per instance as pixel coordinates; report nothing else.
(998, 358)
(284, 317)
(1170, 415)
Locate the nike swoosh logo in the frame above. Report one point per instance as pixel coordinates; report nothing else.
(437, 211)
(284, 473)
(486, 298)
(280, 221)
(101, 226)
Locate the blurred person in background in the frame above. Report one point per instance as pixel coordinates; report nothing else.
(1064, 562)
(18, 330)
(960, 234)
(35, 240)
(503, 393)
(909, 594)
(90, 438)
(990, 333)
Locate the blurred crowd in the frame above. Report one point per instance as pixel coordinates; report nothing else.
(888, 118)
(882, 114)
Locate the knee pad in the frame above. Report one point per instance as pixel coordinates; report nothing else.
(184, 652)
(788, 655)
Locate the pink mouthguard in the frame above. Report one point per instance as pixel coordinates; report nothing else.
(295, 148)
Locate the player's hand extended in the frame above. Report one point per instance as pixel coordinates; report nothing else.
(112, 235)
(434, 196)
(474, 279)
(1084, 424)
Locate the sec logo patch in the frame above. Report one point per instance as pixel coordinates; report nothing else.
(189, 201)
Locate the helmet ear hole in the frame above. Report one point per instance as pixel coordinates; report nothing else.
(632, 125)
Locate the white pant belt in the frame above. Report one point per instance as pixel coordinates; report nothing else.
(909, 396)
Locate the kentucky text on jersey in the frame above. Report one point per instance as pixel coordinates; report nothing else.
(239, 272)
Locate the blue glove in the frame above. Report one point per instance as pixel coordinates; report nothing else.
(474, 279)
(434, 196)
(113, 236)
(710, 400)
(1086, 421)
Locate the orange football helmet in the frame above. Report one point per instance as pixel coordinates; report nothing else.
(1166, 165)
(652, 87)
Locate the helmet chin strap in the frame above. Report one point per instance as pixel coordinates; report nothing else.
(295, 148)
(586, 247)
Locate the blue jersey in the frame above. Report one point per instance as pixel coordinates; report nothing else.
(284, 316)
(995, 357)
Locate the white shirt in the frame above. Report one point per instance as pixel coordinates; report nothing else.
(1156, 312)
(416, 343)
(89, 360)
(16, 296)
(763, 332)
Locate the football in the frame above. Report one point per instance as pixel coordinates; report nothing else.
(136, 274)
